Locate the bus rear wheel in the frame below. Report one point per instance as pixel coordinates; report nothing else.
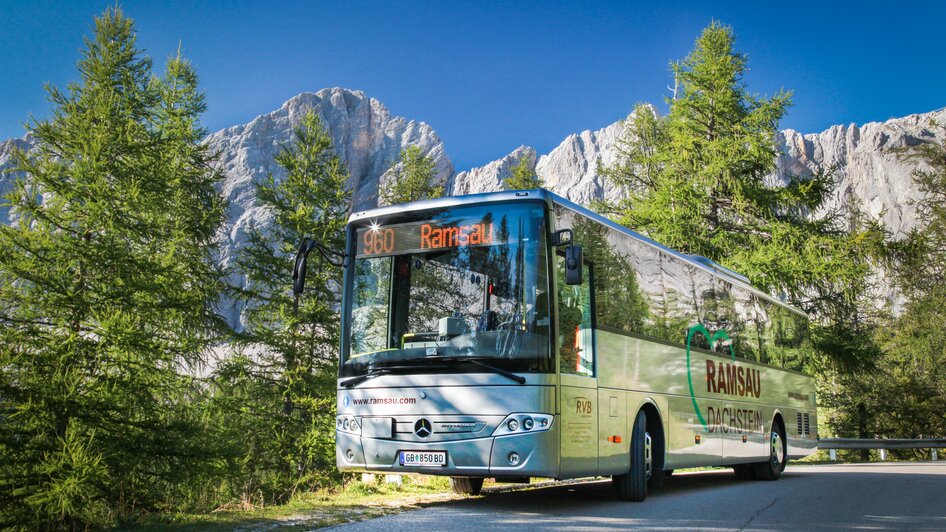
(632, 486)
(466, 485)
(772, 468)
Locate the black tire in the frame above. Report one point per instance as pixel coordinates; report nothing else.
(466, 485)
(632, 486)
(657, 454)
(744, 471)
(771, 469)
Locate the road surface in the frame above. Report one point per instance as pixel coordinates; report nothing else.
(880, 496)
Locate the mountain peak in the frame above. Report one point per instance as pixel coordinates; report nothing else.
(369, 140)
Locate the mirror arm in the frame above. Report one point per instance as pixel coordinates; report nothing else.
(333, 257)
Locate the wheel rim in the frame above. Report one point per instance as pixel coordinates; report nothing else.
(778, 451)
(648, 456)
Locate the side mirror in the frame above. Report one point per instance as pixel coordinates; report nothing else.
(562, 237)
(574, 259)
(298, 270)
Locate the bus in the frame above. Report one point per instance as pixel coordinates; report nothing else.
(516, 334)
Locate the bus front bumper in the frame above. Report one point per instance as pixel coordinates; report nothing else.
(515, 455)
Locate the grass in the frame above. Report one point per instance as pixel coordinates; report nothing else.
(356, 501)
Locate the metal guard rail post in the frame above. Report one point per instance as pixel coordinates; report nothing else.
(833, 444)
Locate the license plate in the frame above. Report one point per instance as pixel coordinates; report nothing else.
(423, 458)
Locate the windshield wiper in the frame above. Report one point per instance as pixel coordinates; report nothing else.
(476, 361)
(499, 371)
(377, 372)
(354, 381)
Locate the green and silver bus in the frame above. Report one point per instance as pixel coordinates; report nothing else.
(516, 334)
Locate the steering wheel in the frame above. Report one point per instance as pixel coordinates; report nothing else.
(507, 344)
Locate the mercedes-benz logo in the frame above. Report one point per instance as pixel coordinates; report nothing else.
(423, 428)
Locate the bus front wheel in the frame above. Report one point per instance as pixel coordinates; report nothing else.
(466, 485)
(632, 486)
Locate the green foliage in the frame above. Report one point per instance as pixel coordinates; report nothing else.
(696, 181)
(901, 392)
(413, 178)
(915, 346)
(107, 293)
(281, 398)
(522, 175)
(921, 256)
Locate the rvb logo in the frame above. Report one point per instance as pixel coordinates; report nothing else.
(346, 401)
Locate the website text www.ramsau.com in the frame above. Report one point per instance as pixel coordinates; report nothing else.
(385, 401)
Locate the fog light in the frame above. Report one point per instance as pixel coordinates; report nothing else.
(350, 455)
(527, 423)
(513, 425)
(514, 458)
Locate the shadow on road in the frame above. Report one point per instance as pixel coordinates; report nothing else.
(898, 497)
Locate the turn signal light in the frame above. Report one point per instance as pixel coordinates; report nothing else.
(614, 439)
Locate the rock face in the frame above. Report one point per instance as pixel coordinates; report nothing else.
(365, 136)
(863, 160)
(571, 169)
(369, 140)
(7, 177)
(865, 163)
(490, 177)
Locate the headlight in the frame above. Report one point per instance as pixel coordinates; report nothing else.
(348, 424)
(524, 423)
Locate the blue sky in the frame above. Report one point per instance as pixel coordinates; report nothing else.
(489, 76)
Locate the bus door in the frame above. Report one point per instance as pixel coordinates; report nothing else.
(579, 385)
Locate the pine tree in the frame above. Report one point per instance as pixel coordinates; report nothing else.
(921, 256)
(106, 303)
(522, 175)
(413, 178)
(696, 181)
(914, 362)
(291, 430)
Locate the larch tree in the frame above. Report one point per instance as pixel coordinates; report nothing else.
(522, 175)
(696, 180)
(914, 362)
(294, 341)
(413, 178)
(108, 293)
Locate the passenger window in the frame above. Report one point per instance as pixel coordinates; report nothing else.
(575, 334)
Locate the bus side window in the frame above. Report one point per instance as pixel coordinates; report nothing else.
(575, 334)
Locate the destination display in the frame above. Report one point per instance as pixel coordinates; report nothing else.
(424, 236)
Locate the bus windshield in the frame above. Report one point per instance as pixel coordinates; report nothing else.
(463, 284)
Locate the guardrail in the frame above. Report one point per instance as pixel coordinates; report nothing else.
(833, 444)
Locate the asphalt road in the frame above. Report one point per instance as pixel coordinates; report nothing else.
(887, 496)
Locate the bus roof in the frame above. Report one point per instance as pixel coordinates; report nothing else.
(551, 198)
